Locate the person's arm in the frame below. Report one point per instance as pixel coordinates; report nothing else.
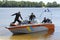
(21, 17)
(42, 21)
(13, 14)
(34, 16)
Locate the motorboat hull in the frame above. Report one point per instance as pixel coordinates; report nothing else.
(29, 28)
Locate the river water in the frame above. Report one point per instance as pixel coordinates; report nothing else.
(6, 19)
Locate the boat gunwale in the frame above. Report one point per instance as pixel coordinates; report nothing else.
(33, 25)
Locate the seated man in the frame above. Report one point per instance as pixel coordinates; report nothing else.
(45, 20)
(49, 21)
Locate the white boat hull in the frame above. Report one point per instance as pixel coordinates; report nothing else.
(30, 28)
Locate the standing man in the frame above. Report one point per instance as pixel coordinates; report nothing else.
(32, 17)
(17, 15)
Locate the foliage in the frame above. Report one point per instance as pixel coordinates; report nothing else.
(27, 4)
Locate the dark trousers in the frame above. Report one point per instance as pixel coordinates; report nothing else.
(17, 21)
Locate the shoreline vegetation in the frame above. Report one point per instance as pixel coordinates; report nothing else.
(28, 4)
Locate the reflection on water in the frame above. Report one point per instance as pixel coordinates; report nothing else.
(43, 35)
(40, 35)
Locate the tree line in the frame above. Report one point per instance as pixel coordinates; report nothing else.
(28, 4)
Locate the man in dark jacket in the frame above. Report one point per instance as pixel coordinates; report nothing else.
(32, 17)
(45, 20)
(49, 21)
(17, 15)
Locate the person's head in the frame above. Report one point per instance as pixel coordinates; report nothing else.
(31, 13)
(44, 18)
(19, 12)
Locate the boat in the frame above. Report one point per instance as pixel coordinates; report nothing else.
(30, 28)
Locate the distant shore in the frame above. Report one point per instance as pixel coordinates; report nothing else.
(28, 4)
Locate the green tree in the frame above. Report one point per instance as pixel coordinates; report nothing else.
(54, 4)
(49, 4)
(41, 4)
(6, 3)
(1, 3)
